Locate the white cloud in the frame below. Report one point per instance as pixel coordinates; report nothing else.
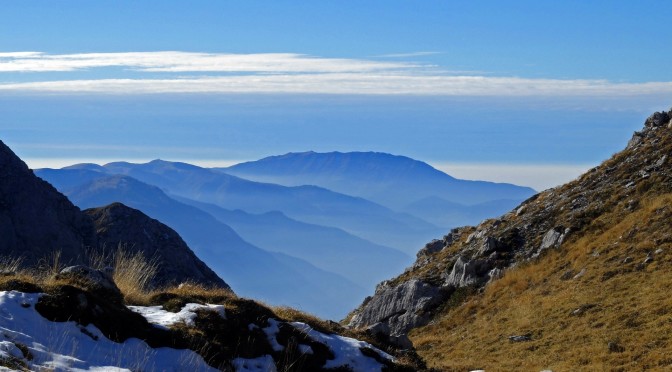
(286, 73)
(171, 61)
(350, 83)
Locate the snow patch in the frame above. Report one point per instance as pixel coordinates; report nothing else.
(161, 318)
(346, 350)
(272, 334)
(262, 364)
(305, 349)
(67, 346)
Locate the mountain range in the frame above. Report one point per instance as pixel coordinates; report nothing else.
(249, 231)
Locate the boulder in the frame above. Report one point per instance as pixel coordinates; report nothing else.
(96, 281)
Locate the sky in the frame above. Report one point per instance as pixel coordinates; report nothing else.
(528, 92)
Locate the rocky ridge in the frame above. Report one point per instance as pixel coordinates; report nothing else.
(468, 258)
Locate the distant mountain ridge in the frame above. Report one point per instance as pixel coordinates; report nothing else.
(310, 204)
(397, 182)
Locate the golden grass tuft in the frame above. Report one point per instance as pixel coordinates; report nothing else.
(132, 274)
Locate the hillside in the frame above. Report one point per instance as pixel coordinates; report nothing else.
(40, 227)
(576, 277)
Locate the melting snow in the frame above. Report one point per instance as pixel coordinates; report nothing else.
(262, 364)
(163, 319)
(67, 346)
(272, 333)
(346, 350)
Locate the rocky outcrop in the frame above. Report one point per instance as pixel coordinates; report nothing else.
(120, 226)
(475, 256)
(393, 311)
(35, 219)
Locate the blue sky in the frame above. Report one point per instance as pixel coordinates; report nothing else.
(529, 92)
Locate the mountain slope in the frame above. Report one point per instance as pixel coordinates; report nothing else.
(245, 267)
(577, 277)
(120, 226)
(35, 219)
(390, 180)
(37, 223)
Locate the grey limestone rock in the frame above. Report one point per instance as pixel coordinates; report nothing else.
(552, 239)
(466, 272)
(393, 311)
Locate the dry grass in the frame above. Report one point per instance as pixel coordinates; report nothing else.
(132, 274)
(572, 323)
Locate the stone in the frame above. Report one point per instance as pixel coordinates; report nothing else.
(489, 246)
(658, 119)
(580, 274)
(466, 272)
(520, 338)
(94, 280)
(661, 161)
(431, 248)
(552, 239)
(495, 274)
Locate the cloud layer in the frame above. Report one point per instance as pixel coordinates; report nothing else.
(163, 72)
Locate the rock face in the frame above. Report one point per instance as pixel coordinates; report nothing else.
(475, 256)
(35, 219)
(393, 311)
(117, 224)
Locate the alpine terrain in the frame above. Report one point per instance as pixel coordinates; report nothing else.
(575, 277)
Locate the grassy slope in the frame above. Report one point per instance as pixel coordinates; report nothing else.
(625, 305)
(616, 316)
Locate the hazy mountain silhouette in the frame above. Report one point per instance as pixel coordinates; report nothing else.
(397, 182)
(249, 270)
(327, 248)
(309, 204)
